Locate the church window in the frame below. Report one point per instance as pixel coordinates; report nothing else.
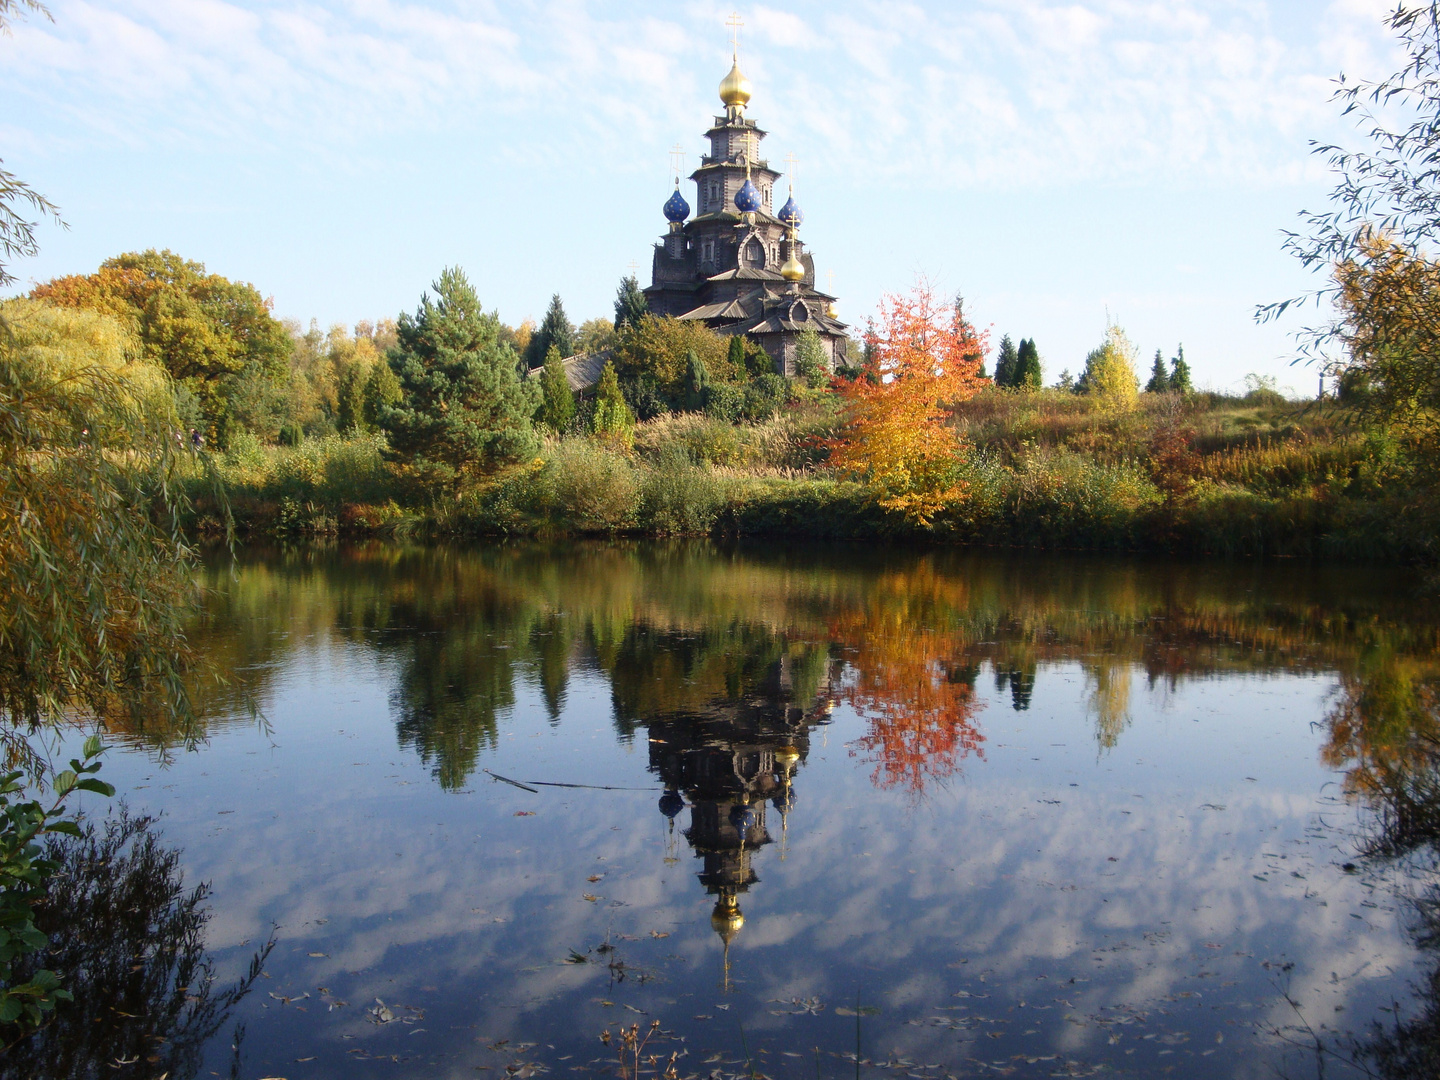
(707, 251)
(754, 254)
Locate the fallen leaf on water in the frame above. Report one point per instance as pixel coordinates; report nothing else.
(317, 955)
(592, 899)
(594, 877)
(659, 934)
(524, 813)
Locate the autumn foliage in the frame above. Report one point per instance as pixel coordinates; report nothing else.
(921, 357)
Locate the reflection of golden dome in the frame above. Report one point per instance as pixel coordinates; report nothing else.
(735, 88)
(727, 918)
(787, 756)
(794, 269)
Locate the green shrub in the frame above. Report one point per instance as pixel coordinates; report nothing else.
(679, 498)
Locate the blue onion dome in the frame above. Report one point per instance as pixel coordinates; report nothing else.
(676, 208)
(791, 214)
(743, 818)
(747, 199)
(671, 803)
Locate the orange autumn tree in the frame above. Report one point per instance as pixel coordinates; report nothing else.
(922, 356)
(911, 685)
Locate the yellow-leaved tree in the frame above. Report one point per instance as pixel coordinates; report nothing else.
(1110, 373)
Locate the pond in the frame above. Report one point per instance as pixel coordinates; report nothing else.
(781, 806)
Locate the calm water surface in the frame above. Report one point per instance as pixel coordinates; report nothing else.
(990, 815)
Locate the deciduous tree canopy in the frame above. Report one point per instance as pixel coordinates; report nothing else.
(211, 334)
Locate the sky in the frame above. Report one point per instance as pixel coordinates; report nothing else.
(1061, 163)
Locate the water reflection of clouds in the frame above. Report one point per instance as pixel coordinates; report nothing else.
(884, 889)
(991, 885)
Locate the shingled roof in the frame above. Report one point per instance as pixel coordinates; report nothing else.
(582, 371)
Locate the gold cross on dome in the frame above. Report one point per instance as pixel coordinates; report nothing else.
(792, 162)
(735, 23)
(634, 268)
(830, 282)
(677, 160)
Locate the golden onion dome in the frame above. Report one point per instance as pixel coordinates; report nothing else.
(735, 88)
(794, 269)
(727, 919)
(786, 757)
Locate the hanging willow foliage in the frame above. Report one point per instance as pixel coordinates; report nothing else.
(95, 573)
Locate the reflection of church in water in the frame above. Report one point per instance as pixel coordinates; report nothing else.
(733, 763)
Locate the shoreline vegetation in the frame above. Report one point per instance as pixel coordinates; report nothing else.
(1253, 476)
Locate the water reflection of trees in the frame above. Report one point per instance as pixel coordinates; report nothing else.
(463, 629)
(1383, 731)
(130, 940)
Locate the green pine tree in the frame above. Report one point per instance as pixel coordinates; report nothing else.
(630, 303)
(1005, 362)
(1159, 379)
(697, 382)
(1180, 373)
(463, 407)
(613, 418)
(1027, 374)
(557, 402)
(555, 330)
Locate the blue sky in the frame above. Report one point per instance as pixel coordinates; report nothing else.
(1057, 162)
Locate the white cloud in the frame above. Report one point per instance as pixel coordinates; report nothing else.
(986, 94)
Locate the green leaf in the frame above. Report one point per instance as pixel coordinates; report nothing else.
(62, 783)
(100, 787)
(65, 828)
(93, 747)
(10, 1007)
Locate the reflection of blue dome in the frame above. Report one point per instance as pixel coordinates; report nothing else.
(671, 803)
(743, 818)
(747, 199)
(790, 213)
(676, 208)
(784, 799)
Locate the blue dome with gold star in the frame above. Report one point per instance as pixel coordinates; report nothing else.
(676, 208)
(791, 214)
(747, 199)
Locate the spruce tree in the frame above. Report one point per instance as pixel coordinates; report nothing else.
(697, 382)
(1027, 373)
(1159, 380)
(555, 330)
(736, 355)
(557, 404)
(1180, 373)
(463, 406)
(1005, 362)
(630, 303)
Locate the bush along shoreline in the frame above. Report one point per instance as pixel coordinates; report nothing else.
(1046, 470)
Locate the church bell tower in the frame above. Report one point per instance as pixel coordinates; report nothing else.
(738, 265)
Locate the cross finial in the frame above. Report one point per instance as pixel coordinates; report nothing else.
(830, 282)
(677, 160)
(792, 162)
(634, 268)
(735, 23)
